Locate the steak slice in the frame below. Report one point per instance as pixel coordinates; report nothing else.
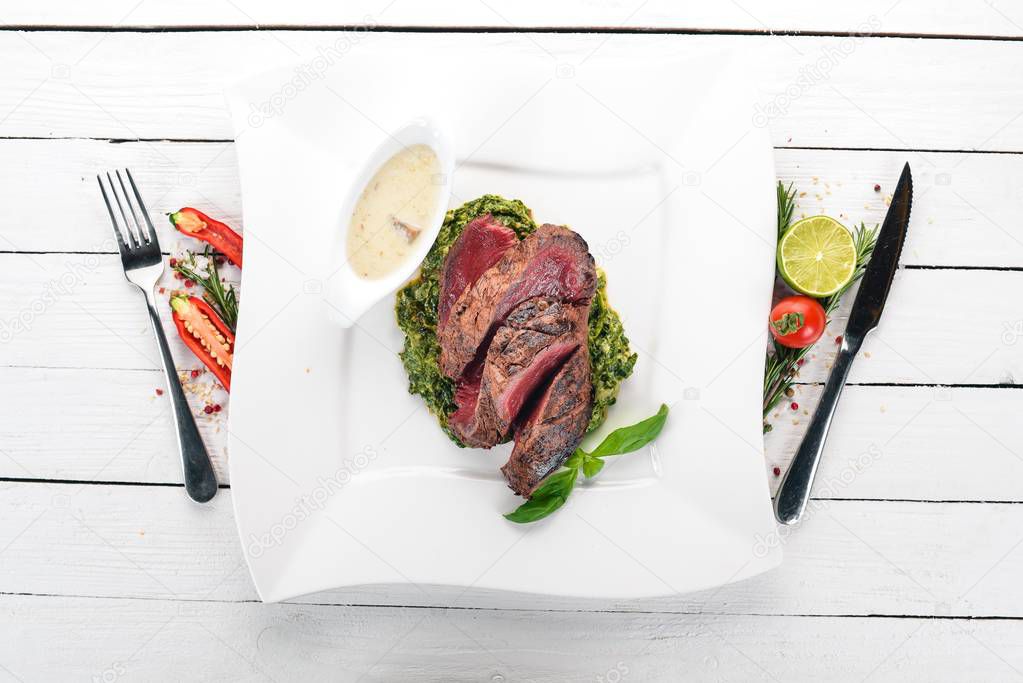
(482, 244)
(552, 262)
(553, 428)
(525, 352)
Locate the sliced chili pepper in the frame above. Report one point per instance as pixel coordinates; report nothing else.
(195, 223)
(205, 334)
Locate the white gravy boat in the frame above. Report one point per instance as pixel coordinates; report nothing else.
(350, 295)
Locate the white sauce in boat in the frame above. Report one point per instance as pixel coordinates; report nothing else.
(392, 211)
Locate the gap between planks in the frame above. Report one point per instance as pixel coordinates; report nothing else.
(79, 252)
(223, 141)
(903, 385)
(497, 609)
(227, 487)
(486, 28)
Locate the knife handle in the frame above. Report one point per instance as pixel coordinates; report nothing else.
(794, 492)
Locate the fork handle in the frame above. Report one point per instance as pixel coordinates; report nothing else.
(200, 479)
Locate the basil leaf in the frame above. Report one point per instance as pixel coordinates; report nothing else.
(575, 461)
(548, 497)
(558, 484)
(591, 466)
(628, 439)
(553, 492)
(535, 509)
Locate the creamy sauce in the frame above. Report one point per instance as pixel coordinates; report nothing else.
(393, 210)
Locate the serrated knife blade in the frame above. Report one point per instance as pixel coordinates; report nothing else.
(884, 261)
(794, 492)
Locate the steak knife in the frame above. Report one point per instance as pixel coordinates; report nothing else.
(794, 491)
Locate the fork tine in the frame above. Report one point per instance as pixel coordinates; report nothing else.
(122, 246)
(142, 208)
(129, 238)
(136, 234)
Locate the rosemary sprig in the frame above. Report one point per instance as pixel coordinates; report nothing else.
(782, 362)
(786, 205)
(221, 296)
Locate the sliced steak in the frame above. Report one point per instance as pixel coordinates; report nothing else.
(482, 244)
(552, 262)
(525, 352)
(554, 426)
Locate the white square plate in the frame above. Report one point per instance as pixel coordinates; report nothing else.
(340, 478)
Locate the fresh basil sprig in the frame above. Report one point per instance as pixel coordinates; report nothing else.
(554, 491)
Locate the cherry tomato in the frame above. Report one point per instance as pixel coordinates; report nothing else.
(797, 321)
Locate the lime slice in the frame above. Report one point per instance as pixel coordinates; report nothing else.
(816, 256)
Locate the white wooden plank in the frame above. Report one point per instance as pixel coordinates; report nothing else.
(922, 338)
(917, 443)
(106, 639)
(887, 442)
(169, 175)
(965, 206)
(922, 94)
(91, 315)
(910, 16)
(940, 326)
(917, 341)
(965, 209)
(99, 425)
(846, 558)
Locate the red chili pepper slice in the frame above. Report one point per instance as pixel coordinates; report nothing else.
(205, 334)
(195, 223)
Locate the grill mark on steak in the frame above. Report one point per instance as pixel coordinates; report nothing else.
(530, 348)
(553, 428)
(554, 262)
(482, 244)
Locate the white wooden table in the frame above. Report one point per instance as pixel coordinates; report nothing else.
(909, 566)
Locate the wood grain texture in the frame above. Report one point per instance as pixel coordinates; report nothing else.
(909, 16)
(122, 579)
(145, 640)
(816, 91)
(110, 426)
(916, 443)
(76, 310)
(965, 210)
(846, 558)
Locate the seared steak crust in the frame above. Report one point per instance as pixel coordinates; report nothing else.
(525, 352)
(515, 340)
(555, 426)
(553, 262)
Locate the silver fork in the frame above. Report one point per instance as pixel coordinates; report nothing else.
(143, 265)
